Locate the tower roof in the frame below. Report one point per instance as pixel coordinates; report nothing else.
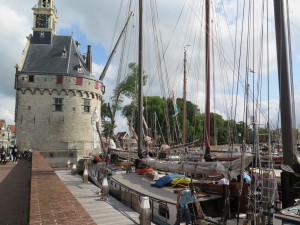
(61, 57)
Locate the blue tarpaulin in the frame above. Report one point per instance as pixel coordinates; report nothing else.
(167, 179)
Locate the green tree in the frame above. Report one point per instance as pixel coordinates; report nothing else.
(105, 118)
(126, 88)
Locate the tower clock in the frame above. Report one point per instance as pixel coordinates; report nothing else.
(44, 22)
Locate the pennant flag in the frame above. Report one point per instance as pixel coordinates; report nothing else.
(174, 103)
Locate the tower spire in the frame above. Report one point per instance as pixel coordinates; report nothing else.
(44, 22)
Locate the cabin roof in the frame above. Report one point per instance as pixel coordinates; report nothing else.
(121, 135)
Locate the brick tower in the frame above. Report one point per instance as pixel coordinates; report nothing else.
(56, 93)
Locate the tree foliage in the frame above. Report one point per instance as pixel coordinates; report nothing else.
(225, 131)
(126, 88)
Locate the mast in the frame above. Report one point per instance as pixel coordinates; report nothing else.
(184, 100)
(288, 142)
(207, 75)
(288, 179)
(140, 82)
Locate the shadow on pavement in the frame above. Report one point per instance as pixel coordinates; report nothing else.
(15, 192)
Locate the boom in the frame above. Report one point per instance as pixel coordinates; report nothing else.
(114, 49)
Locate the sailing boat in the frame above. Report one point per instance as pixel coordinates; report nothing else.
(130, 187)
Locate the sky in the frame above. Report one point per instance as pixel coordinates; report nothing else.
(170, 27)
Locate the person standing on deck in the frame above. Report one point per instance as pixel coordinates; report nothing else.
(202, 158)
(224, 180)
(183, 198)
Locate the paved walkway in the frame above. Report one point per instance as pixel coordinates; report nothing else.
(38, 195)
(14, 192)
(108, 212)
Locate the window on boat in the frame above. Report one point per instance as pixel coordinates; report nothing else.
(163, 210)
(58, 104)
(86, 105)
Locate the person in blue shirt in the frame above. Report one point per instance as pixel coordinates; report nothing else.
(183, 198)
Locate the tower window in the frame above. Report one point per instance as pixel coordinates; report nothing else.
(86, 105)
(45, 3)
(58, 104)
(79, 81)
(59, 79)
(79, 69)
(31, 78)
(64, 53)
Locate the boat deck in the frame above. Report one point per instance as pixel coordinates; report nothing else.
(142, 185)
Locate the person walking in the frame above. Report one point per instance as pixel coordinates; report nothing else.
(2, 152)
(15, 154)
(183, 198)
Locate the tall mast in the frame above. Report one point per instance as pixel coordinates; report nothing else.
(207, 75)
(184, 100)
(288, 179)
(140, 82)
(288, 142)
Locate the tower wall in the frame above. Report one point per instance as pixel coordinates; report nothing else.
(58, 135)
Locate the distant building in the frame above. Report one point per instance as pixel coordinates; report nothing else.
(56, 93)
(121, 138)
(7, 133)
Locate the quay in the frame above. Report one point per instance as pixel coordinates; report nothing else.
(33, 193)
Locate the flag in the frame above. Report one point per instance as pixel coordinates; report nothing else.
(174, 103)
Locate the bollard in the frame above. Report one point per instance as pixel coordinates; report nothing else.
(74, 169)
(85, 175)
(104, 189)
(68, 164)
(145, 211)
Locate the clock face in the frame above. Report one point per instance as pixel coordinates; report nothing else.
(42, 21)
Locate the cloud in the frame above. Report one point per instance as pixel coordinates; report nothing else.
(7, 109)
